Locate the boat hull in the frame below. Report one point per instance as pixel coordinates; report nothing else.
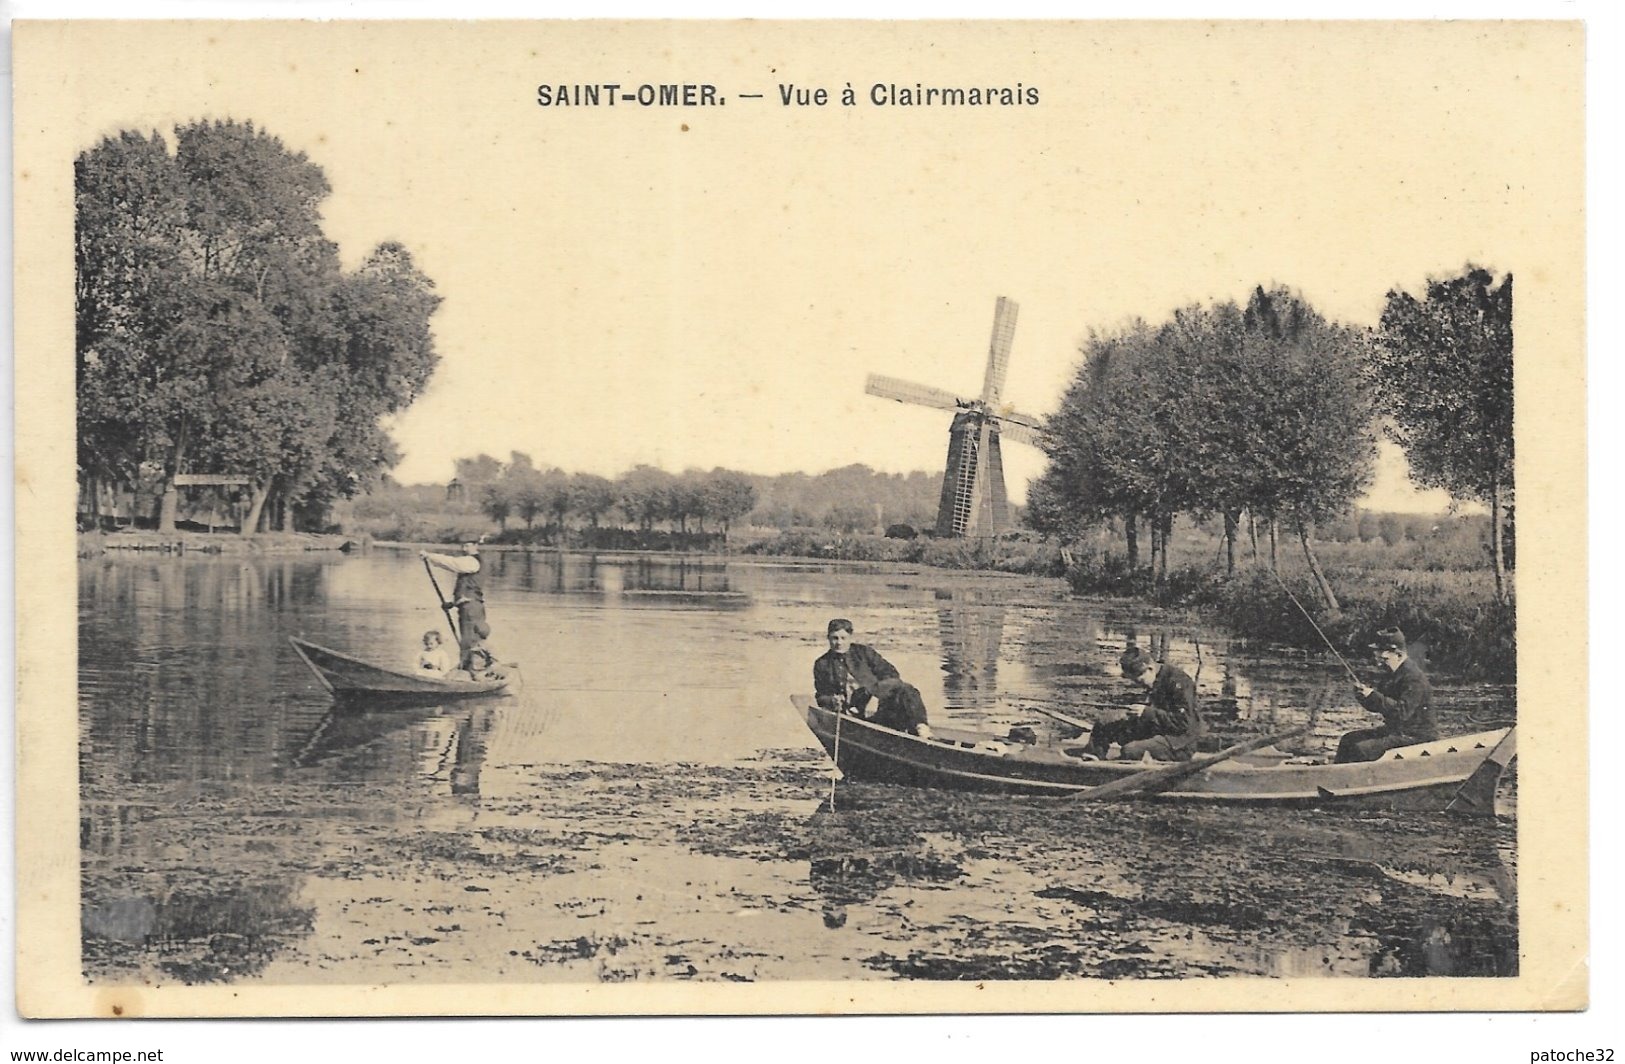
(1458, 773)
(352, 678)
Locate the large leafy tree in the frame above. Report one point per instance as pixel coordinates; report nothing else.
(1309, 446)
(1442, 365)
(216, 331)
(1115, 444)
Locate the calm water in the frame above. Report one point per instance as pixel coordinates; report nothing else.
(648, 680)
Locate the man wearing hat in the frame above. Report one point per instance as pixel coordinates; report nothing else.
(850, 674)
(467, 597)
(1404, 699)
(1167, 727)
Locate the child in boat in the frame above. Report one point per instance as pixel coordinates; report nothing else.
(434, 657)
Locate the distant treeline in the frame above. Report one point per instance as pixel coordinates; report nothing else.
(644, 507)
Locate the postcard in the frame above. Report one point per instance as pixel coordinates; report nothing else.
(590, 517)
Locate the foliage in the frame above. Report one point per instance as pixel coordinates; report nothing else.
(1219, 409)
(215, 330)
(1443, 367)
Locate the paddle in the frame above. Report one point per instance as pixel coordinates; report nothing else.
(445, 607)
(1063, 718)
(1154, 780)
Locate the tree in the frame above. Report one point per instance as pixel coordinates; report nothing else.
(727, 496)
(555, 492)
(523, 484)
(215, 330)
(496, 504)
(1314, 446)
(1442, 367)
(478, 471)
(1115, 444)
(643, 493)
(591, 496)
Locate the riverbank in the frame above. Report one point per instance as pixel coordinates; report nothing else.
(90, 544)
(1451, 617)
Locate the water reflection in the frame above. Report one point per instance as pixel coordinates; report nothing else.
(972, 632)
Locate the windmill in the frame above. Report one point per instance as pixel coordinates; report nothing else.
(974, 502)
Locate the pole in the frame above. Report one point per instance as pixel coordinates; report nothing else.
(840, 711)
(835, 765)
(455, 638)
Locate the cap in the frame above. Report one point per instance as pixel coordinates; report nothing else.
(839, 624)
(1389, 639)
(1135, 661)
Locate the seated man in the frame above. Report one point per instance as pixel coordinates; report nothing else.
(1403, 697)
(845, 678)
(1169, 725)
(434, 657)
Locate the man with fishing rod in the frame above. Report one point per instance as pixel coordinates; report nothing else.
(850, 674)
(1403, 698)
(468, 599)
(1169, 725)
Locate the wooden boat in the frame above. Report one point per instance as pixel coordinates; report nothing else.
(348, 677)
(1459, 774)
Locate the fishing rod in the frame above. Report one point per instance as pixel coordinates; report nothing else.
(1346, 666)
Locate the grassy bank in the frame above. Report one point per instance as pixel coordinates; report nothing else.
(1018, 553)
(1453, 613)
(91, 544)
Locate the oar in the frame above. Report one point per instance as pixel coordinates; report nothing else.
(1153, 780)
(1063, 718)
(444, 605)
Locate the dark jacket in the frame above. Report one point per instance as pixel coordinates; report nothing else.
(861, 668)
(1404, 699)
(1170, 707)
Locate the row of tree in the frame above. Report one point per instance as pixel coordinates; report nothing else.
(216, 332)
(642, 496)
(1270, 410)
(852, 498)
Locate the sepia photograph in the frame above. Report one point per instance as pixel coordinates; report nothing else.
(726, 518)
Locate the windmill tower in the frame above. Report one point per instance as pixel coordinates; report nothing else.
(974, 502)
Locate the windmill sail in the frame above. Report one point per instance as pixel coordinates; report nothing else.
(909, 392)
(1021, 432)
(998, 349)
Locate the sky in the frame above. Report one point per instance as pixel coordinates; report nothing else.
(709, 286)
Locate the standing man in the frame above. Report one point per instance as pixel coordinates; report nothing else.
(1404, 699)
(1170, 724)
(845, 678)
(467, 597)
